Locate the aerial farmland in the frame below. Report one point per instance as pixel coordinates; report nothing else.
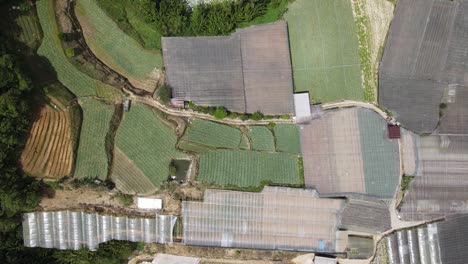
(233, 131)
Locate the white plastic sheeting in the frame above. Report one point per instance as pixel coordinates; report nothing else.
(75, 230)
(276, 218)
(414, 246)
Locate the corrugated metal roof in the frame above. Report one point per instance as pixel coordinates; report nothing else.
(366, 214)
(75, 230)
(248, 71)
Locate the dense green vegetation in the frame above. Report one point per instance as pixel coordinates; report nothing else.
(18, 192)
(111, 252)
(249, 168)
(148, 20)
(148, 142)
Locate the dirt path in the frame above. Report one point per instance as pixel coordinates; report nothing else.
(349, 103)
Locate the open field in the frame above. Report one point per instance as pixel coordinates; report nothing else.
(262, 138)
(91, 158)
(49, 149)
(288, 138)
(202, 135)
(324, 49)
(128, 178)
(77, 82)
(248, 168)
(110, 44)
(148, 143)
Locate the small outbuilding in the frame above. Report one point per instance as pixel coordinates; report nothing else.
(126, 105)
(393, 131)
(302, 108)
(149, 203)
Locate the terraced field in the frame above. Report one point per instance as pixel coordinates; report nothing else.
(248, 168)
(77, 82)
(118, 50)
(262, 138)
(324, 49)
(288, 138)
(147, 143)
(49, 149)
(91, 159)
(29, 32)
(128, 178)
(201, 136)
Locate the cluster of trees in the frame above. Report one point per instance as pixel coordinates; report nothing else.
(18, 192)
(176, 17)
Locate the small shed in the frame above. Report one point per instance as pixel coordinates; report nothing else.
(126, 105)
(302, 108)
(393, 131)
(324, 260)
(149, 203)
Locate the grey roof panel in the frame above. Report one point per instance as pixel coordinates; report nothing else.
(247, 71)
(426, 54)
(366, 215)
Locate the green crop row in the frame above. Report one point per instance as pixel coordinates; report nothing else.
(212, 135)
(112, 45)
(148, 142)
(248, 168)
(91, 158)
(77, 82)
(262, 138)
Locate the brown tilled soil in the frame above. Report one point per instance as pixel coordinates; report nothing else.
(48, 150)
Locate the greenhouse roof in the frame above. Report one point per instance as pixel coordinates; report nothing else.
(277, 218)
(75, 230)
(440, 187)
(247, 71)
(424, 65)
(348, 151)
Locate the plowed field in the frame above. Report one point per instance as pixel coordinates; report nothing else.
(48, 152)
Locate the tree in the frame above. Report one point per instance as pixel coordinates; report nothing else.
(220, 112)
(18, 192)
(165, 93)
(257, 116)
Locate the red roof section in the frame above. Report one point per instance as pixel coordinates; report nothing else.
(393, 131)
